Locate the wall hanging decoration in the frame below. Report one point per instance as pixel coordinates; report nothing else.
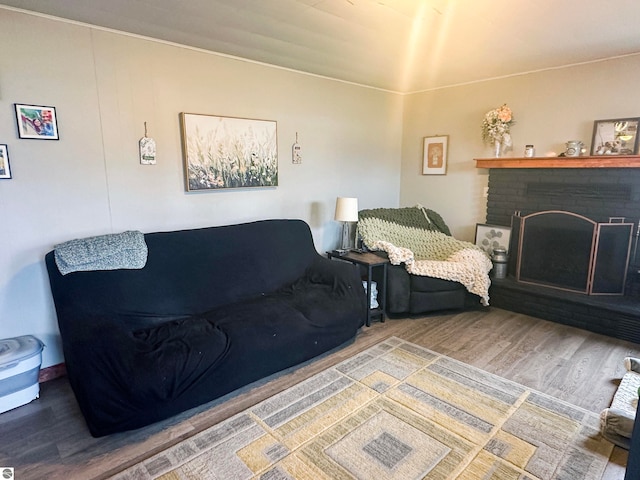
(434, 155)
(496, 129)
(615, 137)
(296, 152)
(5, 168)
(147, 148)
(228, 152)
(36, 122)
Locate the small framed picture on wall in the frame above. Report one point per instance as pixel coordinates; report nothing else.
(434, 155)
(5, 168)
(36, 122)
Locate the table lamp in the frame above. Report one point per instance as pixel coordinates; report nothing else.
(346, 211)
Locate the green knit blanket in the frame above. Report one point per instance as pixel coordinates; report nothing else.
(420, 239)
(418, 217)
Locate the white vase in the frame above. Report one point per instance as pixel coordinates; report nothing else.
(497, 148)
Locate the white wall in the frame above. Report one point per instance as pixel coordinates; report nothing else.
(550, 108)
(356, 141)
(104, 86)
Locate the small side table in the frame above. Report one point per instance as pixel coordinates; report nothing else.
(370, 261)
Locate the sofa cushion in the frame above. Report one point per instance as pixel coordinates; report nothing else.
(408, 293)
(424, 302)
(431, 284)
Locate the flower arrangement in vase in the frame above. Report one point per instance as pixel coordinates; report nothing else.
(496, 128)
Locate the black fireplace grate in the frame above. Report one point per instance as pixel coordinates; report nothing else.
(565, 250)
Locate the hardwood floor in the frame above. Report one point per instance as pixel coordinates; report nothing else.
(48, 438)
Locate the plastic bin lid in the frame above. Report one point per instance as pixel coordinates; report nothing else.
(19, 348)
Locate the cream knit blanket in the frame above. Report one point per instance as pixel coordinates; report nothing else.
(429, 253)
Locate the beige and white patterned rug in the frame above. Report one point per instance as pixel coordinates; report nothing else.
(395, 411)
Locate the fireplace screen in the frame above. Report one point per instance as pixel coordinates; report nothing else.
(571, 252)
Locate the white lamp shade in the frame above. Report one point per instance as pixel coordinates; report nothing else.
(346, 209)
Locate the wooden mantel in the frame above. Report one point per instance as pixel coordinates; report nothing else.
(630, 161)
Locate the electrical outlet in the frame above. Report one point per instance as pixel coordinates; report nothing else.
(485, 193)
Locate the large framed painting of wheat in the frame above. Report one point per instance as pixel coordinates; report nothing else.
(228, 152)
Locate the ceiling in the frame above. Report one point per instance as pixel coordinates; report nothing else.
(397, 45)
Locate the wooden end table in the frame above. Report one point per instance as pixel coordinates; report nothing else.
(370, 261)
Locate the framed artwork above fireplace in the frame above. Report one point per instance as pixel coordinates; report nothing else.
(618, 136)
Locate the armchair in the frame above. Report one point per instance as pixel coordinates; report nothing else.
(430, 270)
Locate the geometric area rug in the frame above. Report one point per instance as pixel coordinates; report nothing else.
(396, 411)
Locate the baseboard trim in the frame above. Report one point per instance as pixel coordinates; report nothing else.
(54, 371)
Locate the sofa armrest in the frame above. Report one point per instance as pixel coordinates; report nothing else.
(398, 289)
(632, 364)
(91, 345)
(343, 278)
(327, 271)
(616, 426)
(118, 375)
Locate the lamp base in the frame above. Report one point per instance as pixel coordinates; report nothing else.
(346, 236)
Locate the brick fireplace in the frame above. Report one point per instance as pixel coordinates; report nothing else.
(584, 188)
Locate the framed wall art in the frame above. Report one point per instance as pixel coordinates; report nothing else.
(5, 168)
(618, 136)
(228, 152)
(36, 122)
(490, 237)
(434, 155)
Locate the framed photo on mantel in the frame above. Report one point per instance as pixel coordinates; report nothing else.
(434, 155)
(618, 136)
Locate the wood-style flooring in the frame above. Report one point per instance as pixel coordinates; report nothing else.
(48, 438)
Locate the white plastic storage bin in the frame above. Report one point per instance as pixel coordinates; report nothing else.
(20, 360)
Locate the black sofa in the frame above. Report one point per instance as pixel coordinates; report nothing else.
(212, 310)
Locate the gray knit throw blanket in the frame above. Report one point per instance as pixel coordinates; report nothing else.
(420, 239)
(126, 250)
